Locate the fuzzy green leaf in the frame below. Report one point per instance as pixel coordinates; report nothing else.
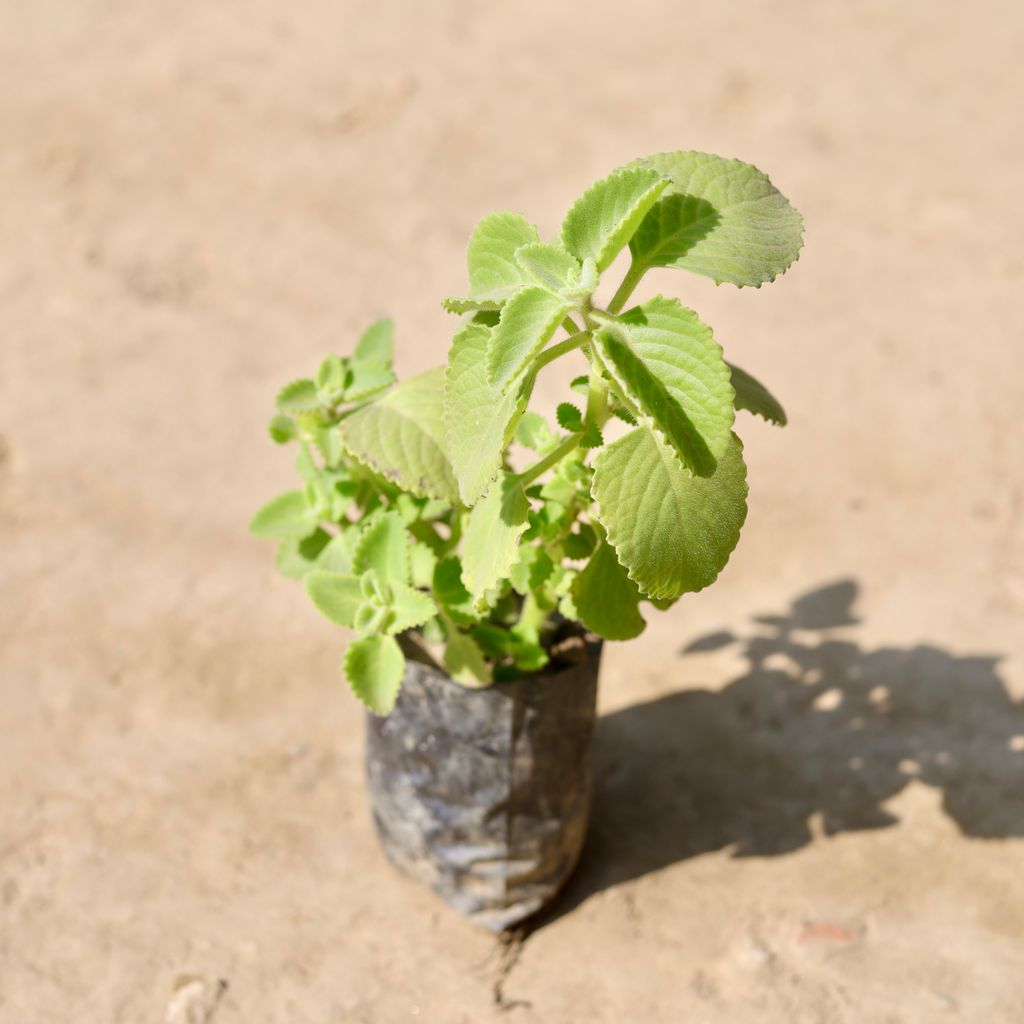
(528, 656)
(298, 396)
(452, 594)
(477, 417)
(568, 416)
(548, 265)
(534, 433)
(580, 544)
(330, 377)
(282, 429)
(287, 515)
(606, 599)
(422, 563)
(376, 343)
(455, 304)
(670, 367)
(328, 444)
(672, 531)
(401, 437)
(528, 322)
(532, 569)
(338, 597)
(604, 218)
(753, 396)
(384, 547)
(374, 667)
(339, 553)
(363, 379)
(655, 406)
(298, 556)
(465, 661)
(720, 218)
(494, 274)
(408, 608)
(491, 539)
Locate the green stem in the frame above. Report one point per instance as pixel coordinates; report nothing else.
(549, 355)
(538, 469)
(629, 283)
(531, 619)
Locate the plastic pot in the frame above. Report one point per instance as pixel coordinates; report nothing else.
(484, 795)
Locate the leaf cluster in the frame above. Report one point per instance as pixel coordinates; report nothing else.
(443, 506)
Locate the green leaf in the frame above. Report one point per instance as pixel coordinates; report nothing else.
(720, 218)
(384, 547)
(569, 417)
(298, 396)
(422, 563)
(339, 552)
(298, 556)
(548, 265)
(376, 344)
(604, 218)
(606, 599)
(477, 417)
(491, 540)
(580, 544)
(528, 322)
(670, 367)
(328, 444)
(305, 467)
(672, 531)
(337, 597)
(374, 667)
(364, 379)
(464, 660)
(494, 273)
(753, 396)
(528, 656)
(495, 642)
(531, 571)
(656, 408)
(282, 429)
(454, 304)
(283, 517)
(408, 608)
(534, 433)
(401, 437)
(330, 376)
(451, 593)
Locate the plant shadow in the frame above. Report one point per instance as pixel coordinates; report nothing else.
(814, 726)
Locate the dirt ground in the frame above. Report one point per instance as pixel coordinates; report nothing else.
(810, 779)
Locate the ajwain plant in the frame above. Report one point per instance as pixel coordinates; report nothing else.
(411, 516)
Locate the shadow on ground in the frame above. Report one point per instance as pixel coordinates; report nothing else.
(814, 727)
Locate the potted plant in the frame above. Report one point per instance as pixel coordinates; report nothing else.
(481, 554)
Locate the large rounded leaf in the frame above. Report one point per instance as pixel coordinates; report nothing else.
(672, 531)
(720, 218)
(666, 361)
(401, 437)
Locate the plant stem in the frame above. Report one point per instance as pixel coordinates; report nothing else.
(538, 469)
(531, 619)
(549, 355)
(629, 282)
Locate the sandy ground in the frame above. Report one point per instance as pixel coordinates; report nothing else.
(810, 780)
